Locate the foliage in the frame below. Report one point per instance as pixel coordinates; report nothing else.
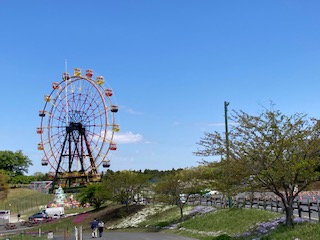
(14, 163)
(39, 176)
(125, 186)
(176, 188)
(95, 194)
(4, 185)
(22, 179)
(275, 151)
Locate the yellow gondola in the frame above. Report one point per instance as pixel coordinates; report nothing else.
(116, 128)
(100, 80)
(47, 98)
(40, 146)
(77, 72)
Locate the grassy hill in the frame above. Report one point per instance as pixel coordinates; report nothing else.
(24, 200)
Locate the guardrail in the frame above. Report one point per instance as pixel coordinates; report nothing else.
(311, 208)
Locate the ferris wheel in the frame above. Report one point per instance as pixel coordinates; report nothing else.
(77, 128)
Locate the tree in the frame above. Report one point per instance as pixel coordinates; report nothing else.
(176, 188)
(95, 194)
(14, 163)
(125, 185)
(277, 151)
(22, 179)
(226, 177)
(4, 185)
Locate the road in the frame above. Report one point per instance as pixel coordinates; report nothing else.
(109, 235)
(129, 236)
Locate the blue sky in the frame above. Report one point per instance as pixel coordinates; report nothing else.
(171, 64)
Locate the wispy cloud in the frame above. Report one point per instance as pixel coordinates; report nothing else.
(127, 137)
(130, 111)
(221, 124)
(216, 124)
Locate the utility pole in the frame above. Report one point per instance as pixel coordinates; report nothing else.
(226, 104)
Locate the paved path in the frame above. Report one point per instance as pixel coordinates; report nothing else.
(129, 236)
(109, 235)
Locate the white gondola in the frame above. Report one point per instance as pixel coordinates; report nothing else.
(44, 162)
(106, 164)
(65, 76)
(42, 113)
(114, 108)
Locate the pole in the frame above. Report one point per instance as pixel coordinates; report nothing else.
(226, 104)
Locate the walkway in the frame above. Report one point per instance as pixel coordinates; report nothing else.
(130, 236)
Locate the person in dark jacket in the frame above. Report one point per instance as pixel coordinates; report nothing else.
(94, 227)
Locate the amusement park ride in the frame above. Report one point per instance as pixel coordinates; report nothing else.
(77, 129)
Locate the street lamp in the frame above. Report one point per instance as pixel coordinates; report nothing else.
(226, 104)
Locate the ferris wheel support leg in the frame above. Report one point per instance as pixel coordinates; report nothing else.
(57, 170)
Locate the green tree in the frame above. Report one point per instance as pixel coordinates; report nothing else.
(4, 185)
(124, 186)
(14, 163)
(176, 188)
(95, 194)
(277, 152)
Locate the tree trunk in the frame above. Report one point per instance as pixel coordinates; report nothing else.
(181, 211)
(289, 215)
(127, 205)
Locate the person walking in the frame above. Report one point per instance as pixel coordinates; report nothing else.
(100, 228)
(19, 217)
(94, 227)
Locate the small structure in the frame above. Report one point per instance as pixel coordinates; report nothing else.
(4, 217)
(41, 186)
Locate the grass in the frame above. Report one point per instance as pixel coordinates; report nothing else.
(219, 224)
(229, 221)
(24, 199)
(302, 231)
